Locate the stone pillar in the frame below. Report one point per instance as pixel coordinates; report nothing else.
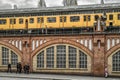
(99, 58)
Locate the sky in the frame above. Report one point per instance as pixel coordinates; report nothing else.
(8, 4)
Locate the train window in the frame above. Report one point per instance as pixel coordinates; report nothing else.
(74, 18)
(31, 20)
(40, 20)
(51, 19)
(110, 17)
(118, 16)
(12, 21)
(62, 18)
(20, 21)
(87, 18)
(3, 21)
(96, 17)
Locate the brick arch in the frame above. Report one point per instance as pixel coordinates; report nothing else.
(62, 41)
(112, 50)
(11, 47)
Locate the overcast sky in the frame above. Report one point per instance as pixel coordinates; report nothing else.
(7, 4)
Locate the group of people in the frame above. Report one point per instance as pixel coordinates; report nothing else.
(26, 68)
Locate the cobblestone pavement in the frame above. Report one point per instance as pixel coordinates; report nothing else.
(14, 76)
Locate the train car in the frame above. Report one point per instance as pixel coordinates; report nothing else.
(59, 17)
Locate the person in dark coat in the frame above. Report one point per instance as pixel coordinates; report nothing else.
(20, 68)
(17, 67)
(9, 68)
(27, 69)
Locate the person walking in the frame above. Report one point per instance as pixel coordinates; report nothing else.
(106, 72)
(9, 68)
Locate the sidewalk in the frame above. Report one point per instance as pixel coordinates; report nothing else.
(52, 77)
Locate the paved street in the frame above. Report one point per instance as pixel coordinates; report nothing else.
(1, 78)
(14, 76)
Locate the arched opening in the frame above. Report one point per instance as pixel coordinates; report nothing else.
(62, 59)
(114, 63)
(8, 56)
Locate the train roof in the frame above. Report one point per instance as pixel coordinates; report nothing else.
(61, 8)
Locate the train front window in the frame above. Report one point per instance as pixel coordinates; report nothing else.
(31, 20)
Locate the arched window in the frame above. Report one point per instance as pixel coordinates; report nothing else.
(50, 57)
(14, 58)
(40, 60)
(108, 44)
(37, 43)
(61, 56)
(33, 44)
(82, 60)
(99, 43)
(116, 61)
(113, 42)
(72, 57)
(5, 56)
(8, 57)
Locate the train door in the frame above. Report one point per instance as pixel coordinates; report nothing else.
(62, 21)
(26, 23)
(111, 24)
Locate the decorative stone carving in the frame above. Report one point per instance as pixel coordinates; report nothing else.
(102, 1)
(69, 2)
(41, 4)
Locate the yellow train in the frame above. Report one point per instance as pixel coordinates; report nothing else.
(59, 17)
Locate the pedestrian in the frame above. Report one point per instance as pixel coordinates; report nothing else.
(9, 68)
(106, 72)
(28, 68)
(20, 67)
(25, 69)
(17, 68)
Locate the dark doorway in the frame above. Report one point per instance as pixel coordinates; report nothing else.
(111, 23)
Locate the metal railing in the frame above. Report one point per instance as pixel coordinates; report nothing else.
(57, 31)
